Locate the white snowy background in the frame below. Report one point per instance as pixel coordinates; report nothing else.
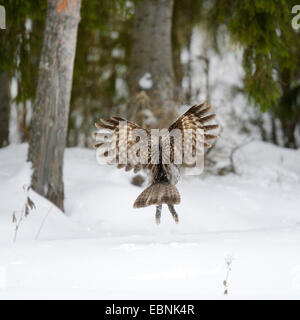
(102, 248)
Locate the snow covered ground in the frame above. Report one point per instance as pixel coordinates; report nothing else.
(104, 249)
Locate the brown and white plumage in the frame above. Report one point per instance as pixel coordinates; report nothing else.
(163, 175)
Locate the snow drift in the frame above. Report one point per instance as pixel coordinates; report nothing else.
(103, 248)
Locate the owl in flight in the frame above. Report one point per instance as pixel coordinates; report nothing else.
(162, 154)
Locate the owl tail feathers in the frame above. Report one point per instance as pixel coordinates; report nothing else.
(157, 194)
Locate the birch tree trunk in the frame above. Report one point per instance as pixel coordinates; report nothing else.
(51, 108)
(4, 109)
(152, 54)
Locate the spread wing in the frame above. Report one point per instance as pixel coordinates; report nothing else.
(116, 140)
(192, 120)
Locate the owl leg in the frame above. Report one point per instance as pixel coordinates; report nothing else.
(173, 212)
(158, 214)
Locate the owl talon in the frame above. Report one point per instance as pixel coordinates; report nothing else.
(173, 212)
(158, 214)
(176, 219)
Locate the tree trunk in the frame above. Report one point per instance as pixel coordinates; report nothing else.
(176, 50)
(152, 53)
(273, 129)
(4, 109)
(289, 128)
(51, 107)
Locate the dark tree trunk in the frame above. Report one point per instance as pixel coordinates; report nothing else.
(152, 53)
(176, 50)
(188, 95)
(4, 109)
(206, 72)
(273, 130)
(288, 125)
(289, 129)
(51, 107)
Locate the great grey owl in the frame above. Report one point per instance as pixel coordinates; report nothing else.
(117, 140)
